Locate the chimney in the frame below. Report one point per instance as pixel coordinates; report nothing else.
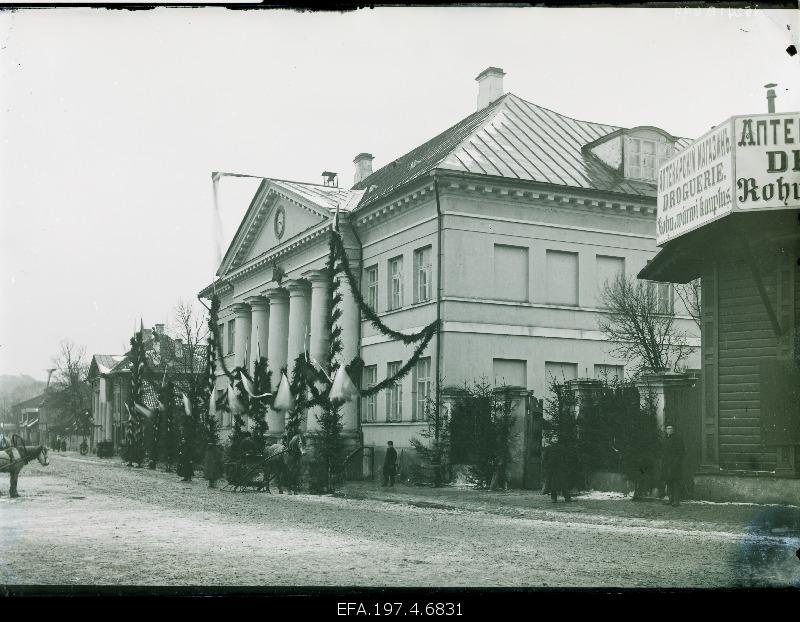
(490, 86)
(770, 96)
(363, 164)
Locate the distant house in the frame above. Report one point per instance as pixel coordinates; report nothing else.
(31, 421)
(109, 377)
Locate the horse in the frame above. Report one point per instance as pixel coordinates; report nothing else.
(12, 459)
(283, 463)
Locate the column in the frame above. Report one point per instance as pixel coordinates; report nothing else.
(241, 314)
(318, 343)
(277, 348)
(259, 331)
(351, 333)
(299, 309)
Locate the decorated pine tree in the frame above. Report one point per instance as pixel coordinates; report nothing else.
(186, 446)
(328, 442)
(262, 384)
(434, 448)
(298, 386)
(171, 429)
(154, 449)
(135, 449)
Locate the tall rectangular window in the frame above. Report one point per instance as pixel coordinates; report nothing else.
(221, 333)
(421, 382)
(608, 268)
(422, 274)
(510, 272)
(395, 283)
(372, 287)
(368, 406)
(231, 335)
(394, 394)
(562, 278)
(661, 296)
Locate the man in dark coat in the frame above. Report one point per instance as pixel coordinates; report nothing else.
(389, 465)
(672, 462)
(557, 465)
(212, 468)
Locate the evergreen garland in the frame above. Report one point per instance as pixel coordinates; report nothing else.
(186, 448)
(210, 424)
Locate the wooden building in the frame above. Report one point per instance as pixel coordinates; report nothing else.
(748, 259)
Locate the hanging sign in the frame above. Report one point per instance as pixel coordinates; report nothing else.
(745, 164)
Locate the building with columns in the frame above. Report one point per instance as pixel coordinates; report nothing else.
(504, 226)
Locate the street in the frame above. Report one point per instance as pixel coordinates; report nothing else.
(86, 521)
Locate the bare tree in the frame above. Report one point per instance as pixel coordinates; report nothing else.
(689, 293)
(640, 325)
(69, 394)
(190, 329)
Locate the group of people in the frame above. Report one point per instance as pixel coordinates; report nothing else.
(59, 444)
(560, 465)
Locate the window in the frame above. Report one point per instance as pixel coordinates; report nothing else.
(221, 334)
(511, 272)
(661, 296)
(372, 287)
(609, 373)
(644, 157)
(422, 388)
(395, 283)
(422, 274)
(562, 278)
(559, 371)
(369, 379)
(510, 372)
(219, 396)
(608, 268)
(231, 335)
(394, 394)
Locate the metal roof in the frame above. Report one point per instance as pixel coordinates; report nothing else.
(515, 139)
(325, 197)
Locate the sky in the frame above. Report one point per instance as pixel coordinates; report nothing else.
(111, 123)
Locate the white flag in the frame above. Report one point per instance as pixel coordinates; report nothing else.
(343, 388)
(284, 399)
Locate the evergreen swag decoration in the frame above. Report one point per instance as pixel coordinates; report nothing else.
(210, 425)
(134, 437)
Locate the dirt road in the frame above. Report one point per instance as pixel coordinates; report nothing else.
(97, 522)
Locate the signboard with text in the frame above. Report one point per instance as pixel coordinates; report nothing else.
(745, 164)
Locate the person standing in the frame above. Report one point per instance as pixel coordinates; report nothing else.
(672, 461)
(389, 465)
(212, 468)
(558, 471)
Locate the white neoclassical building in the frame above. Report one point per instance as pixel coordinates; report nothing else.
(505, 227)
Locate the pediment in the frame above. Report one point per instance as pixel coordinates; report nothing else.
(276, 214)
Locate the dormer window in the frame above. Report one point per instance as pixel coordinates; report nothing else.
(643, 157)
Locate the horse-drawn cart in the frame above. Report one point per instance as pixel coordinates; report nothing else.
(253, 470)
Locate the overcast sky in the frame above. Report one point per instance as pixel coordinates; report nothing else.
(112, 122)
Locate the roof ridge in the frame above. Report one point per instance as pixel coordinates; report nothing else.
(465, 121)
(560, 114)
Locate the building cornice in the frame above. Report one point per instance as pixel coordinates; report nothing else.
(507, 189)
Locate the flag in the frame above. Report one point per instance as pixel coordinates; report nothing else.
(234, 403)
(343, 388)
(187, 405)
(143, 410)
(248, 386)
(319, 367)
(283, 400)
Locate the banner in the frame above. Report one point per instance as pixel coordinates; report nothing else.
(747, 163)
